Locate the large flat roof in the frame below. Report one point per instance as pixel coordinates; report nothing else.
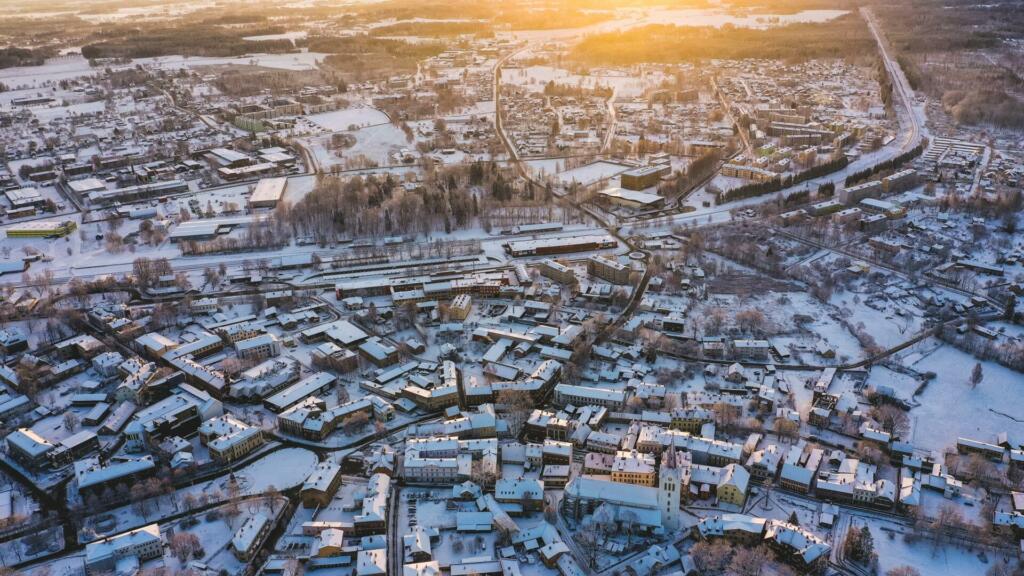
(268, 190)
(631, 195)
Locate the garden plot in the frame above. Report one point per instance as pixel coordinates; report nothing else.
(282, 470)
(215, 529)
(32, 546)
(791, 320)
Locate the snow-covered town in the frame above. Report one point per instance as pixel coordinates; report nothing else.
(436, 288)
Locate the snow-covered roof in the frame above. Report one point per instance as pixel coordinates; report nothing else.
(114, 545)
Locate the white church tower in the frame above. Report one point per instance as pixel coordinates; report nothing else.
(670, 485)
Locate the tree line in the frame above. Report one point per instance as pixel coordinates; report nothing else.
(196, 40)
(843, 37)
(778, 183)
(890, 164)
(12, 56)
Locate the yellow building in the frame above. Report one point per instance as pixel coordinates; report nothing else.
(632, 467)
(690, 419)
(229, 439)
(732, 489)
(460, 307)
(230, 448)
(41, 229)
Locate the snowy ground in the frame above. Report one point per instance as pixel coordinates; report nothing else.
(951, 408)
(893, 551)
(591, 173)
(283, 469)
(377, 143)
(348, 118)
(68, 67)
(31, 546)
(904, 385)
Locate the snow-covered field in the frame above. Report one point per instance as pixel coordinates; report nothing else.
(377, 143)
(68, 67)
(893, 551)
(53, 70)
(290, 61)
(283, 469)
(296, 35)
(349, 118)
(951, 408)
(592, 173)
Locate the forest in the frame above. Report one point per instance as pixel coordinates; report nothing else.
(432, 29)
(844, 37)
(365, 56)
(198, 40)
(13, 56)
(961, 52)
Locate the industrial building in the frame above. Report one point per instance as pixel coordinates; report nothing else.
(268, 193)
(644, 177)
(560, 245)
(630, 198)
(43, 229)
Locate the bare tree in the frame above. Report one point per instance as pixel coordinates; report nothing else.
(977, 375)
(517, 404)
(891, 419)
(750, 561)
(589, 542)
(711, 557)
(70, 421)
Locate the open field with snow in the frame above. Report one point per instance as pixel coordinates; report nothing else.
(348, 119)
(950, 408)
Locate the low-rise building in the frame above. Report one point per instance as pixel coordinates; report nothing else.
(258, 347)
(141, 544)
(250, 536)
(229, 439)
(319, 488)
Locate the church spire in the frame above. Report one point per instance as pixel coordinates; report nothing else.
(670, 457)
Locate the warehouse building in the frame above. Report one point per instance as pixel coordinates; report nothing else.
(268, 193)
(42, 229)
(630, 198)
(134, 193)
(645, 177)
(25, 198)
(560, 245)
